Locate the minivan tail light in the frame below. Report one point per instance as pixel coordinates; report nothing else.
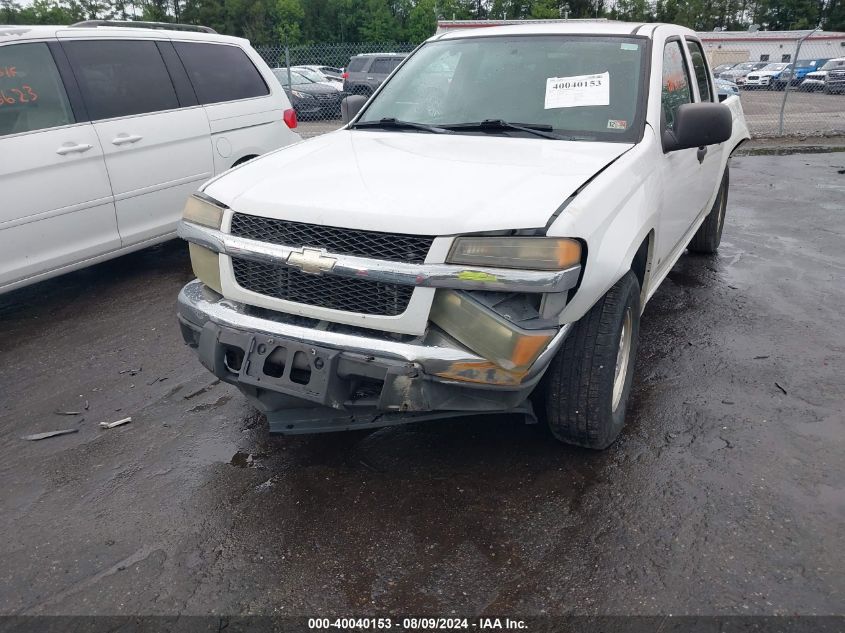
(290, 118)
(345, 75)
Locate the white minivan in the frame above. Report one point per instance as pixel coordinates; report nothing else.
(106, 130)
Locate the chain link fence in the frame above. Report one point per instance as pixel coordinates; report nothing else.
(779, 97)
(790, 83)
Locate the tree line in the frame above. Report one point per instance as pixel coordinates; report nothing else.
(268, 22)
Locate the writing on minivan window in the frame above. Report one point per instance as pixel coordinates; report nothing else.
(12, 91)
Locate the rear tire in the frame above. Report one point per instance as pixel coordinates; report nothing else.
(586, 388)
(709, 235)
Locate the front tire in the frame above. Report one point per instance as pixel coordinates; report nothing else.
(709, 235)
(587, 385)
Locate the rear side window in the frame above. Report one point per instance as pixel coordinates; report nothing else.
(383, 66)
(676, 84)
(356, 64)
(32, 96)
(220, 72)
(699, 67)
(121, 77)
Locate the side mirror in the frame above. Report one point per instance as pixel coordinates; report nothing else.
(350, 106)
(697, 125)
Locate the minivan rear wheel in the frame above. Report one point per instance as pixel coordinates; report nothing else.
(586, 387)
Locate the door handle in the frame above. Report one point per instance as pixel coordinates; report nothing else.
(702, 152)
(72, 149)
(126, 139)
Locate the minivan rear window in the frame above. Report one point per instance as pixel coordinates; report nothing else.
(121, 77)
(220, 72)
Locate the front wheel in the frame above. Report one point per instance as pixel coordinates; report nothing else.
(709, 235)
(586, 388)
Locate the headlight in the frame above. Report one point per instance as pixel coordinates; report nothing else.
(530, 253)
(200, 209)
(491, 336)
(296, 93)
(206, 263)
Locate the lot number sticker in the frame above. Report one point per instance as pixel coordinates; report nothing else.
(581, 90)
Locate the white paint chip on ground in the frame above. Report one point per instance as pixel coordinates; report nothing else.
(111, 425)
(580, 90)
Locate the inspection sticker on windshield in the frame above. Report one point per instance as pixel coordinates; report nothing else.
(581, 90)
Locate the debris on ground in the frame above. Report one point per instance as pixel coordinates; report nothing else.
(131, 372)
(111, 425)
(201, 391)
(43, 436)
(67, 412)
(781, 388)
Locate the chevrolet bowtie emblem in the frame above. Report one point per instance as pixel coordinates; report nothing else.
(311, 261)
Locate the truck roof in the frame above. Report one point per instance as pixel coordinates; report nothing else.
(556, 27)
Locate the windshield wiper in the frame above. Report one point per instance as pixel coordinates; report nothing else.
(537, 129)
(396, 124)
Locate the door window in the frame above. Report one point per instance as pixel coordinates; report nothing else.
(32, 96)
(121, 77)
(699, 67)
(220, 72)
(676, 84)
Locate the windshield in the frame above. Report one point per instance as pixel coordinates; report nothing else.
(295, 77)
(775, 67)
(745, 66)
(310, 74)
(588, 87)
(833, 63)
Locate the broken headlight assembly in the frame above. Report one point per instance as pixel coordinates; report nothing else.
(510, 330)
(202, 210)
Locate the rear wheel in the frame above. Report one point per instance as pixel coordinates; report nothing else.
(586, 388)
(709, 235)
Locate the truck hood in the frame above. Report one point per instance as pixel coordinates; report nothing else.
(417, 183)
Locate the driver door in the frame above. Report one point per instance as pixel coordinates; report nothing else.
(687, 183)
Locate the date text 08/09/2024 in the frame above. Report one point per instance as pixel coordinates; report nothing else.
(413, 624)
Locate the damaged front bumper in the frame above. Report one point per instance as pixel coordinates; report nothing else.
(309, 376)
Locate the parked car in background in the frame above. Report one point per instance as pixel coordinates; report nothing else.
(493, 254)
(725, 88)
(816, 80)
(835, 81)
(329, 72)
(765, 77)
(366, 72)
(738, 73)
(310, 99)
(795, 74)
(106, 128)
(722, 68)
(318, 77)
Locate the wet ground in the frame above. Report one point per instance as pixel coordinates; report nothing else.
(725, 495)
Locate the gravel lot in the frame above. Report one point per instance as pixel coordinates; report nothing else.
(725, 495)
(806, 113)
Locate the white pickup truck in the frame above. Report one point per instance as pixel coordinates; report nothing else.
(512, 198)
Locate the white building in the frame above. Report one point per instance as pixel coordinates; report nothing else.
(725, 46)
(770, 46)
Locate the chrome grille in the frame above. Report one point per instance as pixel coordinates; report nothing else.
(388, 246)
(325, 291)
(328, 291)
